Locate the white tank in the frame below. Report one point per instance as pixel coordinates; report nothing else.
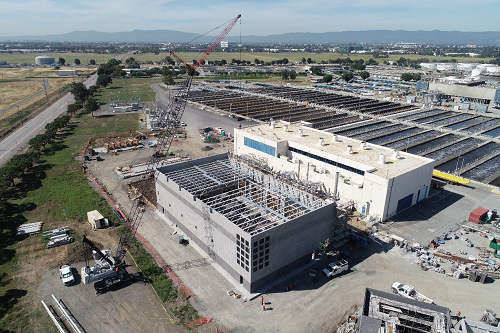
(381, 160)
(285, 128)
(447, 66)
(363, 145)
(335, 138)
(321, 141)
(428, 65)
(493, 69)
(349, 149)
(273, 124)
(300, 132)
(476, 72)
(395, 154)
(466, 66)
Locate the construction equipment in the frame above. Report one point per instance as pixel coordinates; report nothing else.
(110, 269)
(106, 270)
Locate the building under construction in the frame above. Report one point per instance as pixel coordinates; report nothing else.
(392, 313)
(257, 224)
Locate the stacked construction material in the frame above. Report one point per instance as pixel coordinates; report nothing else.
(29, 228)
(58, 237)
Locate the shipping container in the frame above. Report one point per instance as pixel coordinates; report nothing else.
(478, 215)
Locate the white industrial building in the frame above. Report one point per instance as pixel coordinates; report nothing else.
(380, 181)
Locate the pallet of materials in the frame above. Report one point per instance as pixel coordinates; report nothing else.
(59, 240)
(29, 228)
(55, 232)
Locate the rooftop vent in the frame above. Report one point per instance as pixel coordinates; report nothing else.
(300, 132)
(349, 149)
(321, 141)
(363, 145)
(381, 159)
(335, 138)
(285, 128)
(395, 154)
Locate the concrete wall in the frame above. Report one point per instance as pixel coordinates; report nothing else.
(292, 243)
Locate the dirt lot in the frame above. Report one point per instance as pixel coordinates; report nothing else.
(310, 306)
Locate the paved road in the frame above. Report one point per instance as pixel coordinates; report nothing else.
(17, 142)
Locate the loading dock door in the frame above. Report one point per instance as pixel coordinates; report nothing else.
(404, 203)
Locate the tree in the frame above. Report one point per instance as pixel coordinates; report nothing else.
(61, 61)
(303, 60)
(309, 61)
(75, 107)
(257, 61)
(410, 76)
(114, 62)
(285, 61)
(168, 80)
(364, 75)
(293, 74)
(284, 74)
(77, 62)
(79, 92)
(347, 76)
(92, 62)
(327, 78)
(92, 90)
(358, 66)
(91, 106)
(103, 80)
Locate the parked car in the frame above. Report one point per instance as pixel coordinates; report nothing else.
(66, 274)
(183, 124)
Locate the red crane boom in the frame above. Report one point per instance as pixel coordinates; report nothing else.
(211, 48)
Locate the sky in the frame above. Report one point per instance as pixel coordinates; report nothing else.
(259, 17)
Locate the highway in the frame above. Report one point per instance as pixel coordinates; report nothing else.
(17, 142)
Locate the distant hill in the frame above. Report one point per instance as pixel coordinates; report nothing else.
(435, 37)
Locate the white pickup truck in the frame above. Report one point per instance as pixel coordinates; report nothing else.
(335, 268)
(408, 291)
(66, 274)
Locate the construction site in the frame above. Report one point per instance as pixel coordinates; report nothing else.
(296, 209)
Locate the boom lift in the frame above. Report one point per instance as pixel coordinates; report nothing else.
(168, 120)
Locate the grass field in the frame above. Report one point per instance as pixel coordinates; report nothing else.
(293, 57)
(57, 193)
(188, 57)
(11, 92)
(125, 89)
